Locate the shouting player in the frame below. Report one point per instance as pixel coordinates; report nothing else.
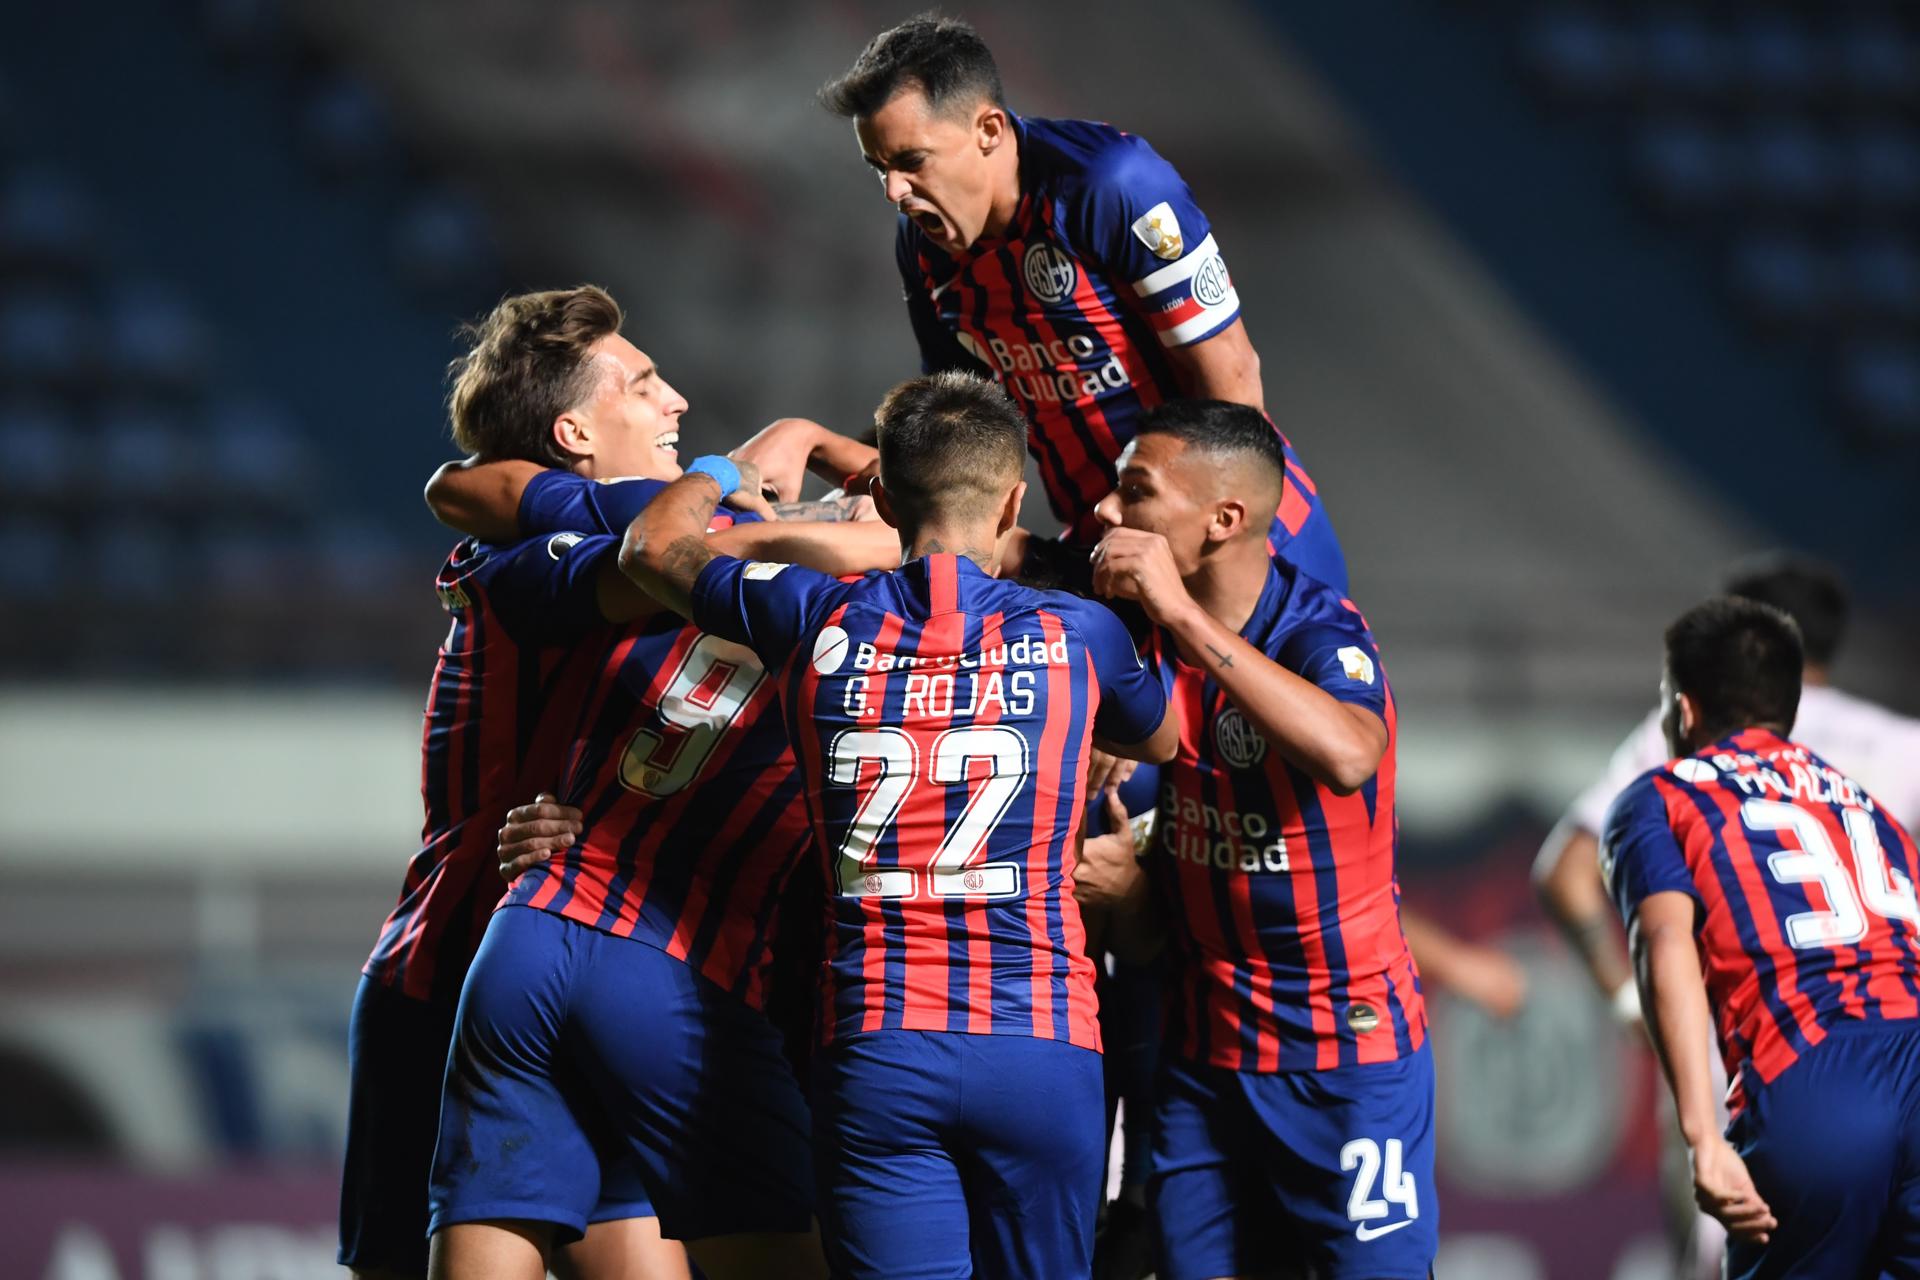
(654, 922)
(1752, 858)
(1067, 258)
(944, 720)
(1294, 1108)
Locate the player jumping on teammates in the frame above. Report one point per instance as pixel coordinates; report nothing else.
(1067, 258)
(944, 720)
(1752, 858)
(1294, 1105)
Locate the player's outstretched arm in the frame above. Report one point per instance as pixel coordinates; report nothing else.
(1673, 993)
(1336, 743)
(481, 498)
(666, 545)
(788, 448)
(1566, 878)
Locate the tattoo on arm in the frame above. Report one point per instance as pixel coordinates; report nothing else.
(826, 509)
(1224, 659)
(684, 559)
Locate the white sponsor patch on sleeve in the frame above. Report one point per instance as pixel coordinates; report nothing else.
(1159, 230)
(761, 570)
(1356, 663)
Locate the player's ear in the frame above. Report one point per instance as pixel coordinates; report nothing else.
(1010, 509)
(882, 502)
(1689, 715)
(1229, 520)
(573, 435)
(990, 128)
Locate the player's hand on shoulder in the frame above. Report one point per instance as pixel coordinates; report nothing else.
(1132, 564)
(1724, 1189)
(781, 451)
(535, 832)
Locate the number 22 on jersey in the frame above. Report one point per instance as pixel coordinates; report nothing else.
(884, 766)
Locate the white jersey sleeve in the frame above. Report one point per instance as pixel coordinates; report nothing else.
(1878, 748)
(1643, 749)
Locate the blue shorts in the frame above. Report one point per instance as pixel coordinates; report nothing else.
(572, 1042)
(1253, 1173)
(943, 1154)
(396, 1059)
(1833, 1145)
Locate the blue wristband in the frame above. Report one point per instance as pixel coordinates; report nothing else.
(720, 467)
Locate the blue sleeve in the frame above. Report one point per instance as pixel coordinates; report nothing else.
(1340, 659)
(555, 501)
(766, 606)
(1132, 703)
(939, 348)
(545, 590)
(1639, 853)
(1137, 218)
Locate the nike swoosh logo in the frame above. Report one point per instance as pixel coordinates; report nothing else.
(1365, 1233)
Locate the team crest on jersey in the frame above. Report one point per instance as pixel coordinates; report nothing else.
(830, 650)
(1050, 274)
(1239, 742)
(1355, 662)
(1159, 230)
(559, 542)
(1210, 282)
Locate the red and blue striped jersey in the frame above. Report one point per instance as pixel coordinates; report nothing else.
(681, 769)
(1108, 263)
(1281, 898)
(1803, 890)
(942, 718)
(506, 687)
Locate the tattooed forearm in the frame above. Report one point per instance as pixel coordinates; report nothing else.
(1224, 659)
(682, 561)
(826, 509)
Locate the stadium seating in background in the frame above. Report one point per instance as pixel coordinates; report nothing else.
(1788, 137)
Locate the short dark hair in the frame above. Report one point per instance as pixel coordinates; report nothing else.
(527, 363)
(1740, 661)
(943, 57)
(1223, 429)
(1802, 588)
(946, 440)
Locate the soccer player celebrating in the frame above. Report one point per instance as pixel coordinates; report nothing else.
(507, 685)
(1294, 1107)
(656, 919)
(1750, 857)
(1065, 257)
(944, 721)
